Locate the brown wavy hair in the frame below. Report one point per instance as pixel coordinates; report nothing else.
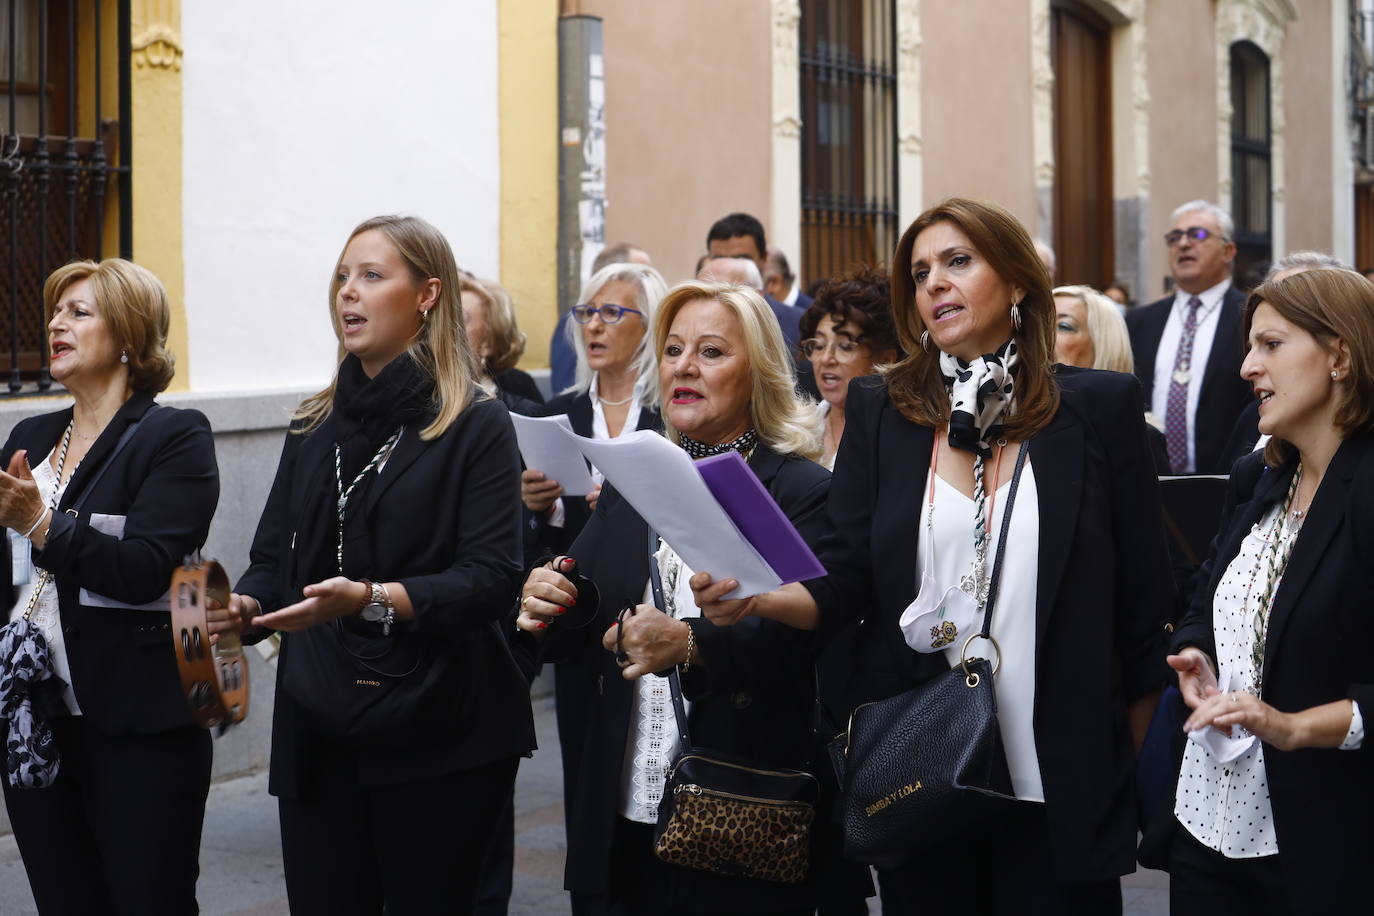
(914, 383)
(860, 295)
(133, 302)
(1335, 306)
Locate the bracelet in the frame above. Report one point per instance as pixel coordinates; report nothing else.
(367, 596)
(34, 527)
(691, 647)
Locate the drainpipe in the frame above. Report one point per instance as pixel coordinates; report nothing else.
(582, 149)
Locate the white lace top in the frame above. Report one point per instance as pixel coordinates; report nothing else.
(653, 738)
(45, 614)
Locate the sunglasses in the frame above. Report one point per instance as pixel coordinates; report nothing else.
(1196, 233)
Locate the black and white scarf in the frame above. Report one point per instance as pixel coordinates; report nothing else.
(980, 397)
(698, 450)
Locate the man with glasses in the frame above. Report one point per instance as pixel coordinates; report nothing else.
(1187, 346)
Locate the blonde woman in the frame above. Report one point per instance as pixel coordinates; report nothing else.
(726, 384)
(386, 554)
(1090, 333)
(496, 339)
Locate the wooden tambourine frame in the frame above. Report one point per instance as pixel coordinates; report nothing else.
(213, 677)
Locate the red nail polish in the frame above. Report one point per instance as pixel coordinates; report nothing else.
(542, 625)
(572, 602)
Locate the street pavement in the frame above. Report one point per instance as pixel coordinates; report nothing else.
(240, 862)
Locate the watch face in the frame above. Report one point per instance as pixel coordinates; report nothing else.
(373, 612)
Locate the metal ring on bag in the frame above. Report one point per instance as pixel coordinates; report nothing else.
(970, 678)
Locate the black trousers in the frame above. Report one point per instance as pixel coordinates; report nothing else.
(1204, 882)
(1008, 872)
(119, 831)
(412, 847)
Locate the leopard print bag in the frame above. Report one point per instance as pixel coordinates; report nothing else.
(729, 818)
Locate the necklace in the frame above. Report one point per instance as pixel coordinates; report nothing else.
(1280, 547)
(975, 582)
(342, 504)
(619, 403)
(44, 577)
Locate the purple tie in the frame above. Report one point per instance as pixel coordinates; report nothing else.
(1176, 409)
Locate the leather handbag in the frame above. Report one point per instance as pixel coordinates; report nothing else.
(927, 765)
(724, 814)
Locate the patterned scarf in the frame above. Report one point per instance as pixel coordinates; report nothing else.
(980, 396)
(699, 450)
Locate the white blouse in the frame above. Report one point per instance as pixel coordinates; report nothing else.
(1013, 616)
(1225, 806)
(652, 742)
(46, 615)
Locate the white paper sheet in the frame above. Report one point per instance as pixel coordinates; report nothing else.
(658, 479)
(113, 525)
(545, 445)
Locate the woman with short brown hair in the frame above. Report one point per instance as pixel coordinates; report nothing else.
(1273, 657)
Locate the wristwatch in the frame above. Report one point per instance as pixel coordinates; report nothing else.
(377, 606)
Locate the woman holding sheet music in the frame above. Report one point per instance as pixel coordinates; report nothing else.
(726, 382)
(921, 487)
(616, 391)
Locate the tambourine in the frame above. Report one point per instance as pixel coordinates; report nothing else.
(213, 677)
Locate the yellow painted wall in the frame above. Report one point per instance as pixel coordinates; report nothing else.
(527, 65)
(155, 78)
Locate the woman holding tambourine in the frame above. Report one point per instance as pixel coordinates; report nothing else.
(386, 554)
(105, 497)
(924, 499)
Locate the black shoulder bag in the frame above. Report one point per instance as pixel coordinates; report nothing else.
(726, 815)
(928, 764)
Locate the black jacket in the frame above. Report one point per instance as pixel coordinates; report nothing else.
(1318, 650)
(519, 383)
(541, 538)
(443, 520)
(1224, 393)
(1104, 588)
(753, 695)
(165, 486)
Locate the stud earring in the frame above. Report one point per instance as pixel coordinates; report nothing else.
(124, 356)
(925, 341)
(1015, 316)
(1335, 375)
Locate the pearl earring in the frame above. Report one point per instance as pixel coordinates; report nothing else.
(124, 356)
(1334, 375)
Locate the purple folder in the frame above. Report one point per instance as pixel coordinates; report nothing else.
(762, 522)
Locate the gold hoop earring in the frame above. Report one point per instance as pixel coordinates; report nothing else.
(1015, 316)
(925, 341)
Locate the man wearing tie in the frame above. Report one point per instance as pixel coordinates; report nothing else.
(1188, 347)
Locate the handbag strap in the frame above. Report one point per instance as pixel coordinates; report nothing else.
(124, 438)
(674, 682)
(996, 576)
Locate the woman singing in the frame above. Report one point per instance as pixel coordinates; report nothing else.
(387, 552)
(726, 383)
(119, 829)
(1274, 795)
(921, 484)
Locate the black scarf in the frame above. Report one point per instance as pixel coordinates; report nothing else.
(365, 414)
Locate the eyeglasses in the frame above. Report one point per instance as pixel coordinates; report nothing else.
(846, 348)
(610, 314)
(1196, 233)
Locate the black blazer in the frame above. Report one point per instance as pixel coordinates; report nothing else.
(1104, 587)
(519, 383)
(1224, 393)
(541, 538)
(753, 696)
(165, 486)
(442, 519)
(1318, 650)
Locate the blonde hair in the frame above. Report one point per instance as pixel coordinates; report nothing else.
(784, 420)
(440, 345)
(1106, 329)
(649, 291)
(504, 337)
(133, 302)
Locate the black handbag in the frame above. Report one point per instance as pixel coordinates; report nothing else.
(927, 765)
(724, 814)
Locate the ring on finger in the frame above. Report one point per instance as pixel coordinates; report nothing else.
(1235, 698)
